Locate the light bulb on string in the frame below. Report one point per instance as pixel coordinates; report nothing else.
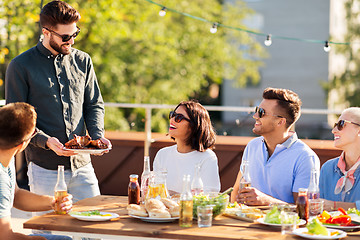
(268, 40)
(327, 46)
(162, 12)
(213, 29)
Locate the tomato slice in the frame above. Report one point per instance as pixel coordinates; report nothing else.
(342, 219)
(342, 211)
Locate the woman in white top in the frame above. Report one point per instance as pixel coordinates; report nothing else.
(191, 128)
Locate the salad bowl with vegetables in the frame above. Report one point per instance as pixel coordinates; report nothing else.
(219, 201)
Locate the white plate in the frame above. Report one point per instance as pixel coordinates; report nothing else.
(302, 232)
(149, 219)
(88, 150)
(262, 221)
(95, 217)
(344, 228)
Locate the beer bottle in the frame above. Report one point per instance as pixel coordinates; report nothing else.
(144, 186)
(245, 180)
(186, 204)
(313, 189)
(197, 185)
(60, 190)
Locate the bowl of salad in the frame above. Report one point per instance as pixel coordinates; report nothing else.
(219, 202)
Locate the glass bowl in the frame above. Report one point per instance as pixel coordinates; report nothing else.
(216, 200)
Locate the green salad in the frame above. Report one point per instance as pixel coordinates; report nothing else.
(315, 227)
(353, 210)
(274, 217)
(219, 203)
(87, 213)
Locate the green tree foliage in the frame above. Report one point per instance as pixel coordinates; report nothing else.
(345, 83)
(140, 57)
(19, 30)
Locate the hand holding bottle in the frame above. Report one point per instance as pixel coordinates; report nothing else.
(62, 204)
(60, 192)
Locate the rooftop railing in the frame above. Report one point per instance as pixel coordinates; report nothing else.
(149, 107)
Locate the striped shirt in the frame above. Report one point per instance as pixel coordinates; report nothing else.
(7, 188)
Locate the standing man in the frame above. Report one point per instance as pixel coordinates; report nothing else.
(17, 127)
(60, 82)
(279, 162)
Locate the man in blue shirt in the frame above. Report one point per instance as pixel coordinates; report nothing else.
(279, 163)
(17, 128)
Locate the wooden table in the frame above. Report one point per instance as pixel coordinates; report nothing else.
(127, 227)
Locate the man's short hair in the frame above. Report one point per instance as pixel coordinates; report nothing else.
(58, 12)
(288, 101)
(17, 120)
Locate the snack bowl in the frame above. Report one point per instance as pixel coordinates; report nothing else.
(218, 201)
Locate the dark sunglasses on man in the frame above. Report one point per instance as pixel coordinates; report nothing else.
(65, 37)
(261, 112)
(341, 124)
(36, 131)
(178, 117)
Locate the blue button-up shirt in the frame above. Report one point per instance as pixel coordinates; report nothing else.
(330, 173)
(285, 171)
(66, 96)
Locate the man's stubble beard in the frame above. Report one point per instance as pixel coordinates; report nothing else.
(57, 47)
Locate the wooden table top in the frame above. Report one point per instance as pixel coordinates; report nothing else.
(223, 227)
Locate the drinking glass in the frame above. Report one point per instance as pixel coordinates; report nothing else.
(316, 206)
(205, 214)
(288, 222)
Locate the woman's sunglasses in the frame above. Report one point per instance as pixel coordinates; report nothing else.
(65, 37)
(341, 124)
(178, 117)
(261, 112)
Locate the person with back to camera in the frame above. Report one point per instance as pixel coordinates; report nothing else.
(191, 128)
(279, 162)
(340, 177)
(60, 82)
(17, 128)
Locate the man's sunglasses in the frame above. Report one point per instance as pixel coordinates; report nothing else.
(261, 112)
(341, 124)
(65, 37)
(36, 131)
(178, 117)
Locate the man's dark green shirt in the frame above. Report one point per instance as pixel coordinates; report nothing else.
(66, 96)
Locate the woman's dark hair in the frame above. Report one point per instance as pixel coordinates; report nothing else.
(202, 134)
(16, 121)
(287, 100)
(58, 12)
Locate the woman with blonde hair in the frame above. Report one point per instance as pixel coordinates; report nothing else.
(191, 128)
(340, 177)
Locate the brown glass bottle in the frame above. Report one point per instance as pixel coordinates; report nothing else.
(134, 190)
(302, 204)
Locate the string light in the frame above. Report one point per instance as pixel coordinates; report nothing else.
(162, 12)
(213, 29)
(327, 46)
(268, 40)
